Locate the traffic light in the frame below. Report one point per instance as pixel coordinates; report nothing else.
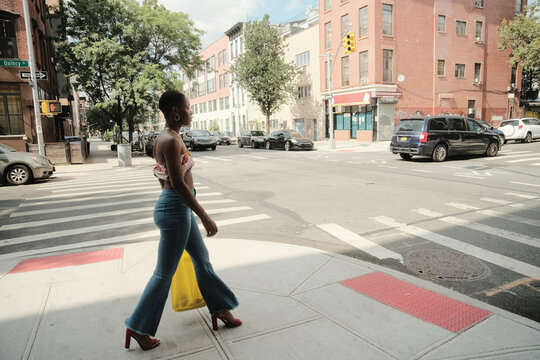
(50, 107)
(349, 43)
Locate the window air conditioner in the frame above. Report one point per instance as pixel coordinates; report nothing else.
(471, 111)
(477, 80)
(478, 39)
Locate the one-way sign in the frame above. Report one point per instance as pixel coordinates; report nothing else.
(40, 75)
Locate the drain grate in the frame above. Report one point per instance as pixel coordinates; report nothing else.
(446, 265)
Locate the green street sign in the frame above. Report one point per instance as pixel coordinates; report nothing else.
(14, 63)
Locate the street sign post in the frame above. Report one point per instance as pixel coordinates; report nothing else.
(40, 75)
(13, 63)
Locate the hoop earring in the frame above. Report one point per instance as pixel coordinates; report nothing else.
(177, 118)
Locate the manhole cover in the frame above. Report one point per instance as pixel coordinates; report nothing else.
(446, 265)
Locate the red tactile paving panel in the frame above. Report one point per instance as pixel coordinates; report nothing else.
(437, 309)
(83, 258)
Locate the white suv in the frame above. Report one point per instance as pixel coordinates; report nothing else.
(525, 129)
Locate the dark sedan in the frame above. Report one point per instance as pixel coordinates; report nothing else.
(199, 139)
(288, 140)
(253, 138)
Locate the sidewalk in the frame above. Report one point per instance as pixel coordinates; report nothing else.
(295, 303)
(353, 146)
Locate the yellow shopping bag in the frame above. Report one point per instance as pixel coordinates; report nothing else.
(185, 291)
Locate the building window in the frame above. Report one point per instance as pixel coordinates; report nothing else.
(221, 81)
(513, 76)
(11, 116)
(345, 71)
(441, 23)
(519, 6)
(211, 85)
(440, 67)
(328, 35)
(460, 70)
(477, 68)
(363, 20)
(8, 40)
(202, 89)
(344, 24)
(479, 3)
(304, 91)
(478, 31)
(387, 65)
(327, 5)
(460, 27)
(364, 67)
(387, 19)
(302, 59)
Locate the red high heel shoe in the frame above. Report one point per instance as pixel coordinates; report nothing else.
(144, 341)
(227, 322)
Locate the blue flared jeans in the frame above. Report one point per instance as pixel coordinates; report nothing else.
(179, 231)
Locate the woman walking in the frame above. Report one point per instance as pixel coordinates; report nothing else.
(173, 214)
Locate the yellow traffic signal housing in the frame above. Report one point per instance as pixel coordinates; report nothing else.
(349, 43)
(50, 107)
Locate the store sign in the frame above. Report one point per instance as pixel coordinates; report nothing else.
(361, 98)
(388, 100)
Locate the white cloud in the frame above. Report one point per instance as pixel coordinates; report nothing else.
(215, 16)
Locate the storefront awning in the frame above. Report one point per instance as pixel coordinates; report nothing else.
(361, 98)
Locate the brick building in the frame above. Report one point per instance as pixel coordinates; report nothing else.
(416, 57)
(17, 122)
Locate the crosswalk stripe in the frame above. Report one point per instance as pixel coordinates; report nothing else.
(132, 190)
(510, 235)
(462, 206)
(70, 199)
(240, 220)
(28, 224)
(522, 160)
(254, 157)
(535, 164)
(503, 157)
(502, 202)
(78, 207)
(513, 152)
(111, 186)
(63, 183)
(227, 210)
(511, 217)
(522, 183)
(66, 187)
(524, 196)
(359, 242)
(216, 158)
(486, 255)
(209, 202)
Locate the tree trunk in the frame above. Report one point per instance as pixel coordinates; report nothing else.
(267, 124)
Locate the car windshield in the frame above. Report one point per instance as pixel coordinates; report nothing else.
(7, 148)
(410, 125)
(257, 133)
(200, 133)
(510, 122)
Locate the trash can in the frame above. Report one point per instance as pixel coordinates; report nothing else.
(124, 154)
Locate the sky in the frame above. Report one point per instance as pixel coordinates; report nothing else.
(217, 16)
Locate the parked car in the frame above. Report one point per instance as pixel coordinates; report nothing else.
(499, 133)
(221, 137)
(525, 129)
(441, 136)
(150, 142)
(199, 139)
(253, 138)
(288, 140)
(19, 167)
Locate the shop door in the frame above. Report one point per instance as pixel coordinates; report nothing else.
(354, 126)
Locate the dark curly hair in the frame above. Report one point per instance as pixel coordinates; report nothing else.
(169, 99)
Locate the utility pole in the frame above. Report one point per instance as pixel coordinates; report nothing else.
(33, 82)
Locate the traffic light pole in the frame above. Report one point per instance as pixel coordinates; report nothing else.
(33, 82)
(329, 68)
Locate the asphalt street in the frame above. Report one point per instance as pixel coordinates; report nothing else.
(469, 224)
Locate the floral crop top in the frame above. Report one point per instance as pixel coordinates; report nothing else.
(160, 170)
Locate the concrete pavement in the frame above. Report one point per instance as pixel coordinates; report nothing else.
(295, 303)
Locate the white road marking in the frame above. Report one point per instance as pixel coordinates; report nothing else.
(524, 196)
(98, 185)
(426, 171)
(389, 167)
(78, 207)
(486, 255)
(61, 184)
(78, 200)
(496, 201)
(504, 157)
(510, 235)
(511, 217)
(513, 152)
(526, 184)
(227, 210)
(254, 157)
(462, 206)
(216, 158)
(207, 202)
(359, 242)
(535, 164)
(522, 160)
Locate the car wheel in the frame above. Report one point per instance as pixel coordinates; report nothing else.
(214, 147)
(405, 156)
(287, 146)
(492, 149)
(267, 145)
(19, 175)
(528, 138)
(253, 145)
(240, 145)
(439, 153)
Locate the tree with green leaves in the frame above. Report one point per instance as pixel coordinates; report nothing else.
(262, 71)
(121, 52)
(522, 36)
